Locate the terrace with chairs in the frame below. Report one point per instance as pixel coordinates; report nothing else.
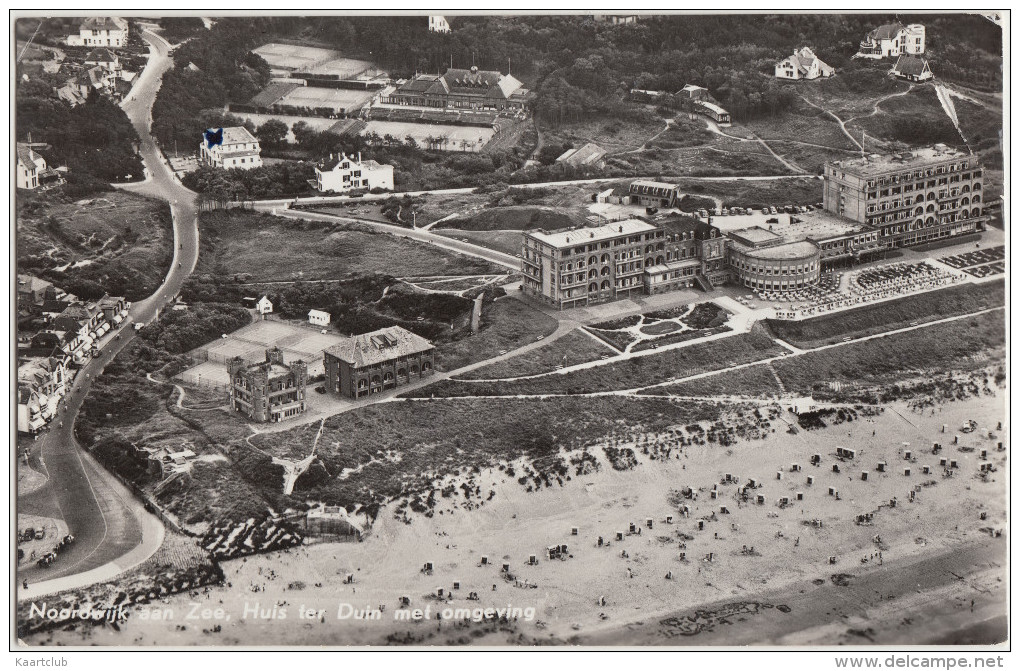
(842, 290)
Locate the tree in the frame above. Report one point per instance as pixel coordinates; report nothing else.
(272, 133)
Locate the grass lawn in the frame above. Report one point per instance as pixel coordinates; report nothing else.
(512, 218)
(274, 249)
(508, 242)
(742, 193)
(506, 324)
(120, 241)
(916, 118)
(891, 315)
(405, 447)
(613, 135)
(965, 344)
(628, 374)
(573, 348)
(803, 124)
(754, 381)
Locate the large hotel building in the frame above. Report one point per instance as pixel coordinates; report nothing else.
(910, 198)
(871, 205)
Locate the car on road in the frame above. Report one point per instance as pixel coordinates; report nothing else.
(320, 389)
(502, 351)
(764, 210)
(40, 534)
(604, 357)
(139, 326)
(540, 337)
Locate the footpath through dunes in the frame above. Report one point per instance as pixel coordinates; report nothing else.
(648, 368)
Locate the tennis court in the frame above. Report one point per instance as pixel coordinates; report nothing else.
(337, 99)
(293, 57)
(251, 342)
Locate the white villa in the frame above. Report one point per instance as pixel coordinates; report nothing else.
(344, 173)
(438, 24)
(891, 40)
(237, 149)
(30, 167)
(803, 64)
(100, 31)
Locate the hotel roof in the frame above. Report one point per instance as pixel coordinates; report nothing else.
(578, 236)
(786, 251)
(379, 346)
(881, 163)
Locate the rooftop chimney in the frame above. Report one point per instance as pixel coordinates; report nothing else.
(621, 229)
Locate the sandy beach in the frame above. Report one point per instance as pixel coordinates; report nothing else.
(907, 576)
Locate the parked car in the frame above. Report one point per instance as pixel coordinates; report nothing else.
(772, 210)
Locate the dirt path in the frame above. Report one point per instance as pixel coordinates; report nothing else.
(842, 126)
(878, 103)
(644, 145)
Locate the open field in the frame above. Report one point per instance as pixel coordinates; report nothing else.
(802, 124)
(613, 135)
(889, 315)
(514, 218)
(724, 158)
(251, 342)
(751, 382)
(277, 249)
(506, 324)
(462, 138)
(119, 241)
(569, 350)
(966, 344)
(627, 374)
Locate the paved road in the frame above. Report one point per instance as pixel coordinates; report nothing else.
(105, 518)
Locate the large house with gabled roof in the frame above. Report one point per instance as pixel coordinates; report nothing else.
(892, 39)
(462, 89)
(100, 31)
(374, 362)
(803, 64)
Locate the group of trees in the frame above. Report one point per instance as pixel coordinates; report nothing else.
(96, 141)
(278, 180)
(213, 68)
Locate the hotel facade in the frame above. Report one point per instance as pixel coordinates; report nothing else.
(871, 205)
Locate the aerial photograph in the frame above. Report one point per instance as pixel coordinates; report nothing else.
(504, 331)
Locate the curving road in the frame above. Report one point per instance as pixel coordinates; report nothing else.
(111, 527)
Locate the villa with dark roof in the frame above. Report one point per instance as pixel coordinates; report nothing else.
(374, 362)
(912, 68)
(462, 89)
(891, 40)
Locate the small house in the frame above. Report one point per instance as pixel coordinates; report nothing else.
(318, 317)
(264, 306)
(912, 68)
